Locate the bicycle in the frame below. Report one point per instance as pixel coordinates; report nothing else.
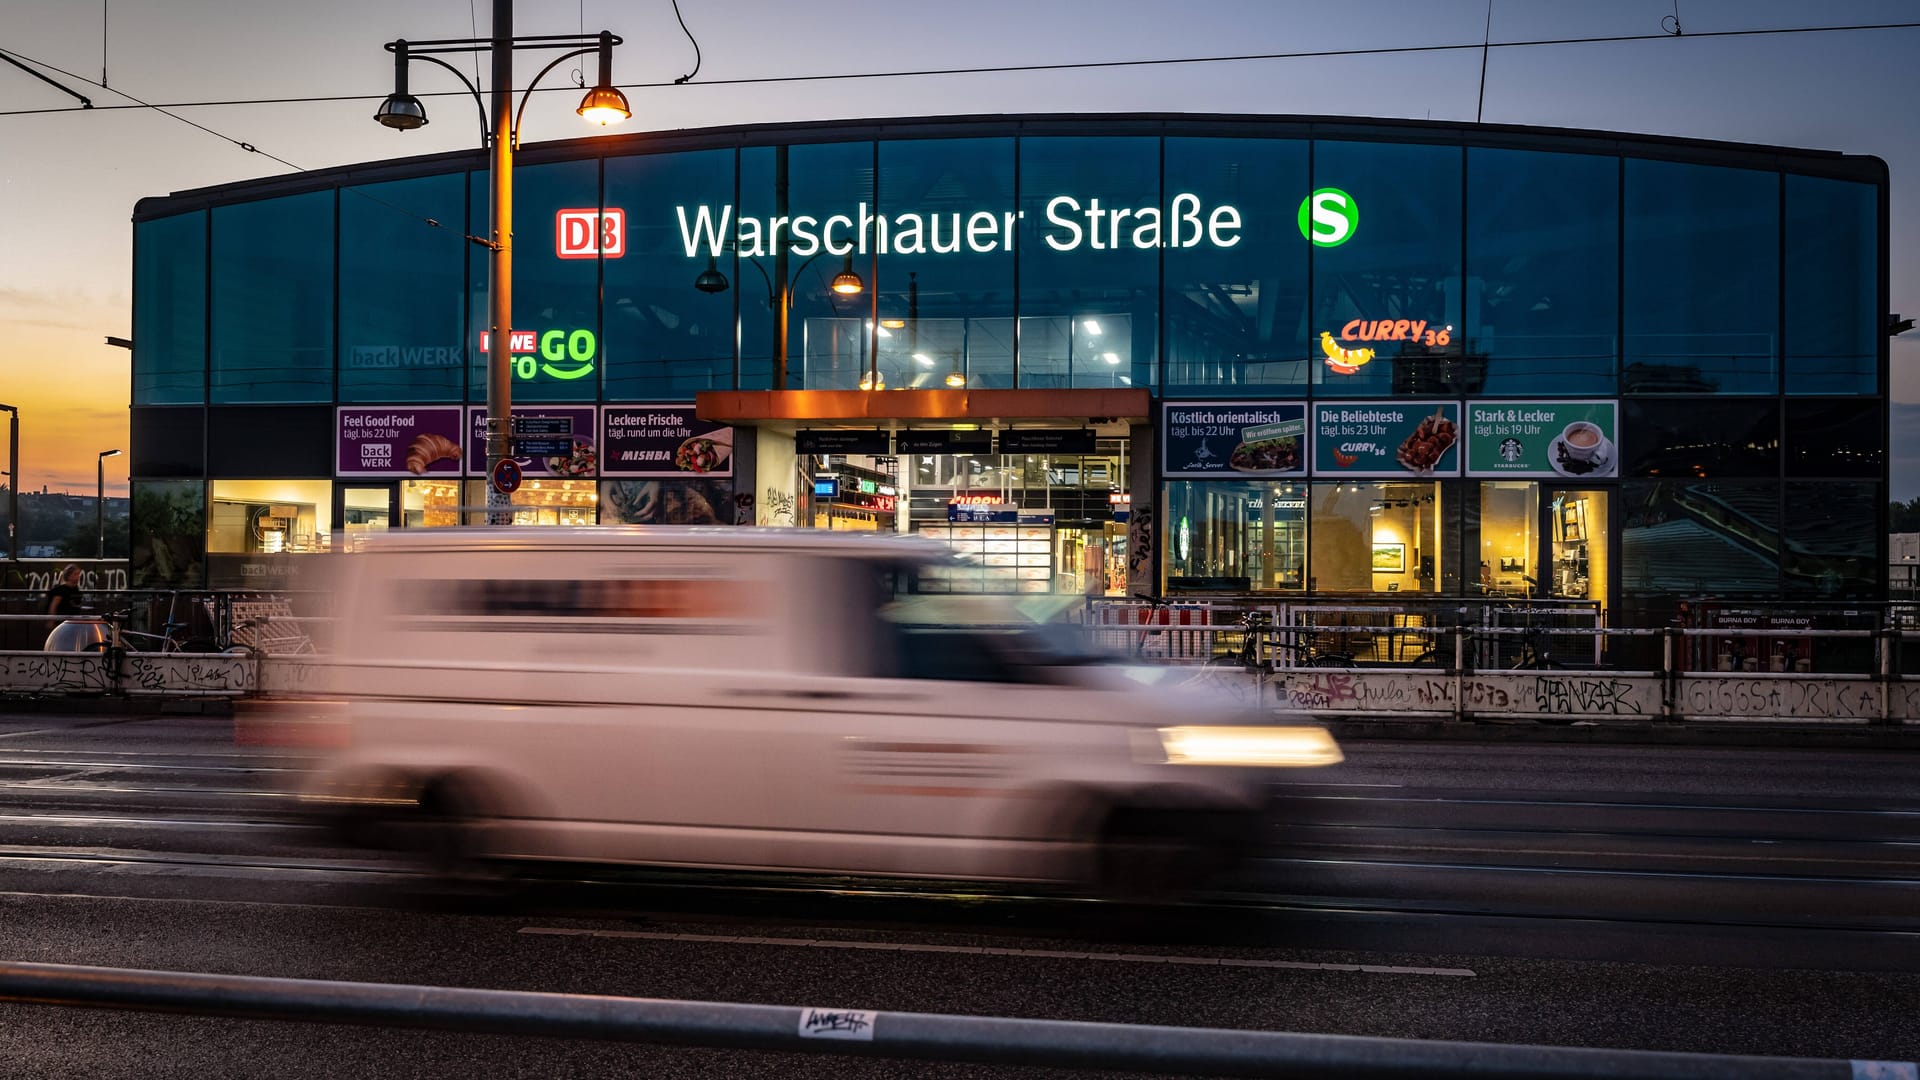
(1303, 649)
(175, 636)
(1534, 654)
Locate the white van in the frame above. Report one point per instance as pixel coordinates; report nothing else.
(764, 699)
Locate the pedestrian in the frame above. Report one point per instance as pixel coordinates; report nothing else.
(64, 598)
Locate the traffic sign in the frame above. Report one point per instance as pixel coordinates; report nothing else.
(506, 476)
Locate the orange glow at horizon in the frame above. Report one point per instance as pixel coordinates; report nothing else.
(72, 391)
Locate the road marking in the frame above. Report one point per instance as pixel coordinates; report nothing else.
(980, 950)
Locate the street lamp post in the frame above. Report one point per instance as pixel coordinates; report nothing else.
(13, 482)
(603, 104)
(100, 501)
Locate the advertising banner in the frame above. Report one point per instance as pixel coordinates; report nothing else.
(1386, 438)
(1570, 439)
(397, 440)
(1233, 439)
(662, 440)
(582, 460)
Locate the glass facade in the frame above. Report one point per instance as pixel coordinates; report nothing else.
(271, 279)
(170, 311)
(1720, 306)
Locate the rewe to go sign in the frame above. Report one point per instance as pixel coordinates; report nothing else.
(558, 354)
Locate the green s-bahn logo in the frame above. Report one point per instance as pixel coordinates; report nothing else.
(1329, 217)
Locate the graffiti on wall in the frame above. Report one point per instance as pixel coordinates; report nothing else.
(54, 673)
(1573, 694)
(1784, 699)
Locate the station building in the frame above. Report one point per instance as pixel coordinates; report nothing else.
(1313, 359)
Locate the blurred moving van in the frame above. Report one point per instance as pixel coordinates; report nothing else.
(788, 700)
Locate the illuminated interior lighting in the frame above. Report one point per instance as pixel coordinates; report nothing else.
(893, 324)
(923, 359)
(1090, 326)
(1111, 357)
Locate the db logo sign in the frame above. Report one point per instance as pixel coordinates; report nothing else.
(585, 234)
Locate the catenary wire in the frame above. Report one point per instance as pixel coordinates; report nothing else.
(1085, 65)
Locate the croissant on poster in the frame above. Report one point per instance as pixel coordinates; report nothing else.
(427, 448)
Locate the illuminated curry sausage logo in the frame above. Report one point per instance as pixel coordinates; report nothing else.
(1344, 361)
(557, 354)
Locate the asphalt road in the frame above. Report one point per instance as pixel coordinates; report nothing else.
(1676, 898)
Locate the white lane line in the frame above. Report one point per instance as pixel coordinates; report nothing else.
(978, 950)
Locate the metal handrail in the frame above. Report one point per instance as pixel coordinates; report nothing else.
(881, 1034)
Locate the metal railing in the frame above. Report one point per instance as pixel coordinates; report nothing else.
(882, 1034)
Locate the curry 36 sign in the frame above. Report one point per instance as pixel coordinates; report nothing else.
(1386, 438)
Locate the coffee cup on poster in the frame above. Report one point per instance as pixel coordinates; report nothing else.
(1583, 440)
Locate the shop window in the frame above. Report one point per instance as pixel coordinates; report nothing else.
(1700, 438)
(1378, 537)
(1846, 437)
(272, 332)
(1699, 538)
(269, 517)
(556, 301)
(1702, 279)
(1509, 539)
(1543, 261)
(170, 310)
(1831, 534)
(1400, 263)
(1236, 537)
(540, 502)
(431, 503)
(946, 315)
(665, 339)
(1080, 261)
(402, 284)
(1833, 286)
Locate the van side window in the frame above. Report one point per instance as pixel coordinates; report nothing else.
(927, 652)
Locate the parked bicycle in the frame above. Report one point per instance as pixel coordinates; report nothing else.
(1302, 646)
(178, 633)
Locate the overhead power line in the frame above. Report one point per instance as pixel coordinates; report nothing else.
(1087, 65)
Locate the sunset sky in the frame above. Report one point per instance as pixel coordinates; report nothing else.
(69, 178)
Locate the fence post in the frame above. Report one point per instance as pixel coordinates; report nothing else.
(1672, 645)
(1460, 671)
(1886, 644)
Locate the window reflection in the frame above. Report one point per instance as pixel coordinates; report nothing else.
(1083, 273)
(1702, 273)
(1543, 248)
(1832, 286)
(1700, 537)
(1830, 540)
(549, 293)
(1700, 438)
(664, 338)
(401, 284)
(273, 300)
(1236, 316)
(170, 310)
(1402, 263)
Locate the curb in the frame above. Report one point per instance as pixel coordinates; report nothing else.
(1603, 733)
(118, 706)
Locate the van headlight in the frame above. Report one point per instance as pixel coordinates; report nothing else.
(1271, 746)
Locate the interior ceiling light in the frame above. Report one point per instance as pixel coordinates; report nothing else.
(1090, 326)
(923, 359)
(893, 324)
(956, 380)
(1111, 358)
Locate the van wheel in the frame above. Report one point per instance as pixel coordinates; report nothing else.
(447, 835)
(1152, 853)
